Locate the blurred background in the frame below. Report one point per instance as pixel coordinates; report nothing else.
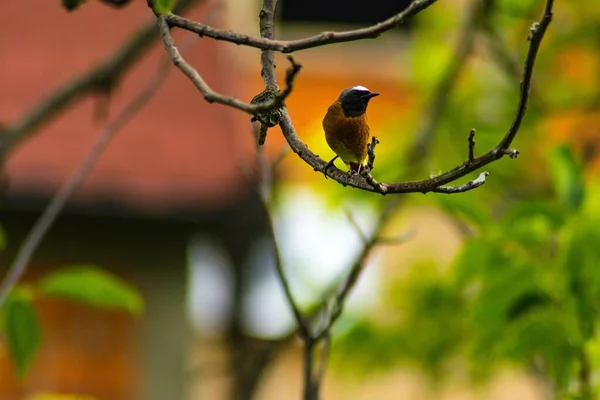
(494, 294)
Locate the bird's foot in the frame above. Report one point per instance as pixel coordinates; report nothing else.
(329, 165)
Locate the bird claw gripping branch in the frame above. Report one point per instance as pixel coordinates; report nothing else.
(270, 118)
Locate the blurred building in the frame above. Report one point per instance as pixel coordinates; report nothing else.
(170, 173)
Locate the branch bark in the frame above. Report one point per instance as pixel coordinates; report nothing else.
(214, 97)
(289, 46)
(537, 32)
(435, 184)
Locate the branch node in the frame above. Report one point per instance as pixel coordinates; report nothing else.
(533, 30)
(269, 118)
(512, 153)
(273, 98)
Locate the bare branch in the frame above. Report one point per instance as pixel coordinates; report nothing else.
(210, 95)
(58, 202)
(359, 232)
(303, 328)
(264, 188)
(358, 266)
(102, 78)
(290, 46)
(399, 239)
(475, 183)
(429, 185)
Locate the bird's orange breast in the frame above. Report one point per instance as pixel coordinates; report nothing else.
(348, 137)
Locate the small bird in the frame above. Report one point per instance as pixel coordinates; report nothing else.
(346, 128)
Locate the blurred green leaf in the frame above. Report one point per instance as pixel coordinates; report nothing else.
(567, 176)
(546, 334)
(517, 8)
(72, 5)
(93, 286)
(22, 330)
(162, 7)
(579, 259)
(458, 207)
(527, 302)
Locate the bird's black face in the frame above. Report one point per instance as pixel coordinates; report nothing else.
(354, 100)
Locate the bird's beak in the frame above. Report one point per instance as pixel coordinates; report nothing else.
(370, 95)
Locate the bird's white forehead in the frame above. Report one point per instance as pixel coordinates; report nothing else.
(361, 88)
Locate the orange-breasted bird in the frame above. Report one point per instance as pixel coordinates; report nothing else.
(346, 128)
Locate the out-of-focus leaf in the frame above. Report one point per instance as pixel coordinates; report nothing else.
(367, 347)
(517, 8)
(21, 329)
(162, 7)
(553, 213)
(526, 303)
(544, 333)
(567, 175)
(457, 206)
(71, 5)
(93, 286)
(579, 258)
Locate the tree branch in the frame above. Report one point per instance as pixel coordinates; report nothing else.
(289, 46)
(429, 185)
(58, 202)
(210, 95)
(102, 77)
(357, 267)
(264, 188)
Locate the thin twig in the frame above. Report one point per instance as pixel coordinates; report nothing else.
(58, 202)
(101, 77)
(471, 140)
(357, 267)
(474, 184)
(214, 97)
(283, 46)
(325, 343)
(356, 227)
(429, 185)
(264, 188)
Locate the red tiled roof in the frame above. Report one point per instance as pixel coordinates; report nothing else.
(178, 152)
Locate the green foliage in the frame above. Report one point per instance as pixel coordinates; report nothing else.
(22, 329)
(85, 284)
(162, 7)
(431, 330)
(567, 177)
(93, 286)
(524, 289)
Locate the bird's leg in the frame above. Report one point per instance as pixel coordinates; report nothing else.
(329, 164)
